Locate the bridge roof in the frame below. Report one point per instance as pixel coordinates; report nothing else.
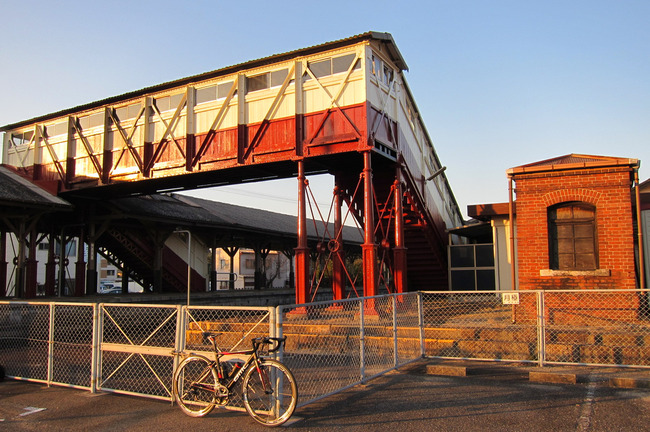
(386, 38)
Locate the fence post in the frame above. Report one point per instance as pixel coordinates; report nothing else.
(179, 344)
(275, 327)
(362, 348)
(420, 296)
(395, 341)
(95, 352)
(50, 346)
(541, 329)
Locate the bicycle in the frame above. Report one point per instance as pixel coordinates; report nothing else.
(269, 389)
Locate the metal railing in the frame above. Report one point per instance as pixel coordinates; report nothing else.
(331, 346)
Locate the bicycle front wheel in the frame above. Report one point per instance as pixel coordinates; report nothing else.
(270, 392)
(194, 386)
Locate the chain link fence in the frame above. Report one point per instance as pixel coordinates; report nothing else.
(592, 327)
(48, 342)
(335, 345)
(134, 349)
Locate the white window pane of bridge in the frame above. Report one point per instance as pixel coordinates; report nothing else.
(206, 94)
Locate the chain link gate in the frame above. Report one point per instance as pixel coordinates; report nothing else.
(137, 343)
(141, 345)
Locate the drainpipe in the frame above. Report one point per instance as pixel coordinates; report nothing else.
(639, 230)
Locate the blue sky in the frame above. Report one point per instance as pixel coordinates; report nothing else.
(498, 83)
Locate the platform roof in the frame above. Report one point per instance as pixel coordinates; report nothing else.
(202, 214)
(16, 191)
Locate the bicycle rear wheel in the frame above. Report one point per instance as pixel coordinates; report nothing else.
(270, 393)
(194, 386)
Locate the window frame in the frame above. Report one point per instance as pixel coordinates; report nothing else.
(555, 242)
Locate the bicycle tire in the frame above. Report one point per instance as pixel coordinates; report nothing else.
(193, 380)
(276, 405)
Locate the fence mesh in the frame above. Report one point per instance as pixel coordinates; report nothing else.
(72, 344)
(407, 327)
(137, 343)
(24, 339)
(479, 325)
(323, 346)
(333, 345)
(235, 327)
(604, 327)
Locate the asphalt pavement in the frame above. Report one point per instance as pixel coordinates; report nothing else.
(409, 399)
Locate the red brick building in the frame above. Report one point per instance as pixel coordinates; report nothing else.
(576, 230)
(575, 223)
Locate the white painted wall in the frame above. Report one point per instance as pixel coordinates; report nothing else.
(502, 254)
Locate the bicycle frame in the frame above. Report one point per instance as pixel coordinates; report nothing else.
(253, 357)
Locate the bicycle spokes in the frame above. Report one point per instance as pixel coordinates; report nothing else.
(270, 393)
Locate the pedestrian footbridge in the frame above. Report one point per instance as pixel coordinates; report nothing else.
(341, 108)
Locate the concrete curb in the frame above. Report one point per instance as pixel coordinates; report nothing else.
(610, 376)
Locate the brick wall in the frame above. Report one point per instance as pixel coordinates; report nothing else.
(609, 190)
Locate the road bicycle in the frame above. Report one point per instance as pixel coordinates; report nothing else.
(269, 389)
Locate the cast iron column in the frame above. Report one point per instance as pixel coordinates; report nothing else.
(369, 248)
(338, 280)
(302, 251)
(399, 252)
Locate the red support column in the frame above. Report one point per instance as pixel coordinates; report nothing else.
(302, 250)
(369, 248)
(338, 278)
(399, 252)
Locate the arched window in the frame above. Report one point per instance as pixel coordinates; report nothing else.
(572, 236)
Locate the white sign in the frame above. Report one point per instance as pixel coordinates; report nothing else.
(511, 298)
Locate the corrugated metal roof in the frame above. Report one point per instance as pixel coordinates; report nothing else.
(383, 37)
(573, 161)
(206, 213)
(568, 159)
(17, 191)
